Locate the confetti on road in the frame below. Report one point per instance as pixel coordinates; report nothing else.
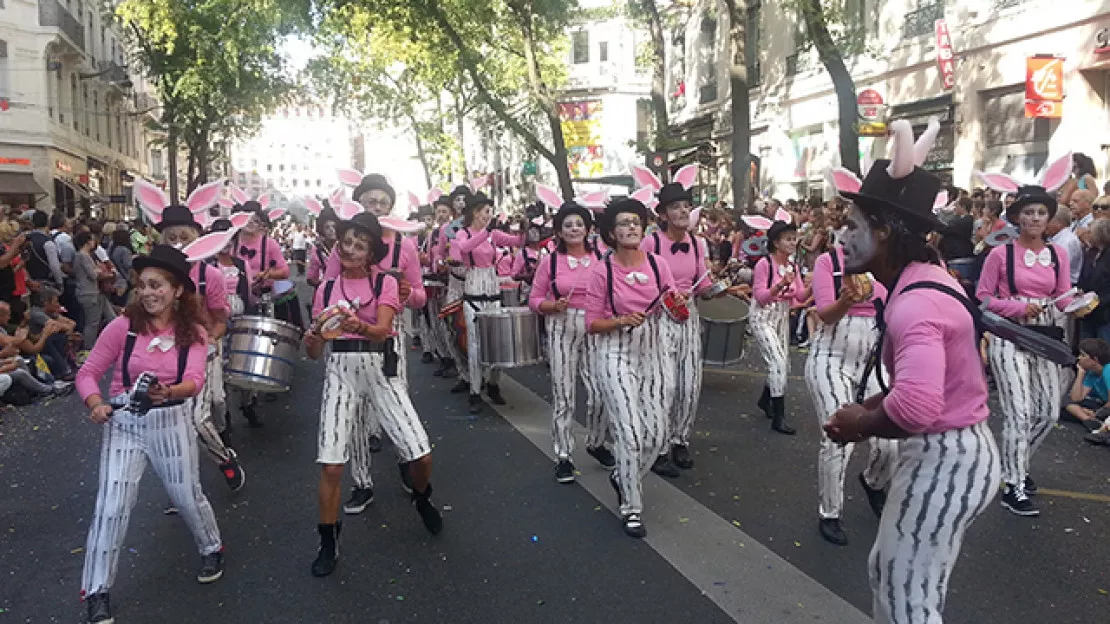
(76, 551)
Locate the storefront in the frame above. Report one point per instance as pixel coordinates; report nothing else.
(18, 189)
(71, 192)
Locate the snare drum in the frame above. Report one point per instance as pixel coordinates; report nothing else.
(724, 324)
(434, 285)
(510, 295)
(678, 312)
(261, 353)
(509, 337)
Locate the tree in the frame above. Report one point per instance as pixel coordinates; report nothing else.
(648, 11)
(741, 106)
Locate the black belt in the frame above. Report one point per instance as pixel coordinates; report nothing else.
(482, 297)
(354, 345)
(123, 405)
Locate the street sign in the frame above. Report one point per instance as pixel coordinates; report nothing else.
(1043, 109)
(946, 59)
(656, 161)
(528, 167)
(872, 111)
(1044, 87)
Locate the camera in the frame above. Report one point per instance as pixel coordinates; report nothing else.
(140, 402)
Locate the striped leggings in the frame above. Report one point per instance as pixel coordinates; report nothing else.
(567, 346)
(688, 370)
(167, 439)
(454, 293)
(942, 482)
(480, 281)
(210, 408)
(770, 326)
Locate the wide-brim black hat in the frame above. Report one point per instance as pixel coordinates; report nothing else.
(368, 224)
(374, 181)
(909, 199)
(477, 200)
(777, 229)
(168, 259)
(671, 193)
(174, 216)
(1031, 194)
(443, 200)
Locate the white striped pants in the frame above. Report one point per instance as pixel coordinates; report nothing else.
(355, 392)
(569, 359)
(941, 484)
(1029, 394)
(479, 282)
(636, 376)
(771, 328)
(688, 369)
(431, 329)
(360, 448)
(454, 293)
(210, 408)
(837, 358)
(167, 439)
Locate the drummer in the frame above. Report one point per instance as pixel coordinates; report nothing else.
(435, 266)
(358, 386)
(451, 259)
(537, 235)
(321, 250)
(559, 294)
(265, 262)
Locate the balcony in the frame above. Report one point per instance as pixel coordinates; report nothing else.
(53, 15)
(923, 20)
(114, 74)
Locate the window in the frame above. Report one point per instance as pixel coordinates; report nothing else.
(307, 184)
(707, 61)
(295, 182)
(282, 168)
(254, 163)
(319, 183)
(580, 47)
(156, 163)
(269, 168)
(61, 108)
(85, 103)
(73, 101)
(3, 65)
(603, 51)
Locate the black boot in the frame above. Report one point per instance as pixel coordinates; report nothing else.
(765, 402)
(664, 468)
(427, 358)
(253, 421)
(461, 386)
(832, 531)
(374, 443)
(428, 512)
(493, 391)
(476, 404)
(328, 555)
(778, 416)
(444, 364)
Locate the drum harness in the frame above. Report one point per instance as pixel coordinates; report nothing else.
(125, 371)
(358, 345)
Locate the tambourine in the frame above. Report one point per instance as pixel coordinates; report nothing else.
(755, 246)
(1082, 305)
(718, 288)
(677, 311)
(863, 284)
(329, 324)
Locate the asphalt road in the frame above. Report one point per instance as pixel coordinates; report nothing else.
(735, 539)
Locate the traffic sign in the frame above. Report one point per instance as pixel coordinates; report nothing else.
(871, 105)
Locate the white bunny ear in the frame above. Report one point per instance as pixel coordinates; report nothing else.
(646, 177)
(225, 203)
(401, 225)
(239, 195)
(151, 198)
(349, 177)
(695, 216)
(783, 215)
(597, 197)
(687, 175)
(207, 246)
(414, 201)
(642, 195)
(204, 196)
(757, 222)
(348, 209)
(240, 219)
(843, 180)
(1056, 173)
(941, 201)
(925, 142)
(153, 217)
(275, 214)
(549, 196)
(998, 182)
(901, 157)
(433, 195)
(479, 183)
(313, 206)
(264, 200)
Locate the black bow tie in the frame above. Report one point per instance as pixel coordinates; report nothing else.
(677, 247)
(247, 253)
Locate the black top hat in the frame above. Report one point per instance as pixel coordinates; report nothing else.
(442, 200)
(910, 198)
(477, 200)
(777, 229)
(168, 259)
(671, 193)
(368, 224)
(1031, 194)
(424, 211)
(177, 215)
(374, 181)
(220, 225)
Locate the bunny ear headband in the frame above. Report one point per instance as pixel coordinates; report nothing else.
(1054, 175)
(757, 222)
(209, 245)
(154, 201)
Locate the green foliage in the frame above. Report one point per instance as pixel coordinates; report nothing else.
(846, 21)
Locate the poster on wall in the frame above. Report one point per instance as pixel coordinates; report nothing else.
(581, 125)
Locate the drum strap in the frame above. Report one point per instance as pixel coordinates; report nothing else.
(838, 275)
(609, 278)
(202, 281)
(470, 255)
(129, 347)
(329, 286)
(1010, 265)
(243, 287)
(396, 251)
(262, 250)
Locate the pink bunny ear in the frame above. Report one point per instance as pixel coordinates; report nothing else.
(1056, 173)
(204, 196)
(350, 177)
(642, 195)
(941, 201)
(757, 222)
(651, 204)
(225, 203)
(239, 195)
(998, 182)
(549, 196)
(151, 198)
(479, 183)
(646, 177)
(844, 180)
(433, 195)
(264, 200)
(336, 197)
(901, 157)
(401, 225)
(313, 206)
(203, 219)
(348, 209)
(153, 217)
(275, 214)
(783, 215)
(695, 216)
(414, 201)
(925, 142)
(208, 245)
(240, 219)
(597, 197)
(687, 175)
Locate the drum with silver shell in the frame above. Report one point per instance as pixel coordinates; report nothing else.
(261, 353)
(509, 337)
(724, 326)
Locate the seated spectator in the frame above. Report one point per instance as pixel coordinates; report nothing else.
(14, 371)
(1090, 393)
(48, 334)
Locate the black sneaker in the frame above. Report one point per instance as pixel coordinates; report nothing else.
(875, 498)
(233, 473)
(634, 526)
(664, 468)
(680, 456)
(493, 391)
(1018, 503)
(475, 403)
(564, 471)
(428, 512)
(374, 443)
(832, 531)
(1030, 486)
(100, 612)
(211, 568)
(460, 387)
(406, 479)
(358, 502)
(417, 341)
(603, 456)
(253, 421)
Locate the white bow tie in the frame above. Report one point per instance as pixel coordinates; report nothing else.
(573, 262)
(1045, 257)
(165, 343)
(634, 277)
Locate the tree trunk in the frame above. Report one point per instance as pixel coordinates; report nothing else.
(420, 153)
(741, 106)
(847, 110)
(171, 161)
(460, 126)
(658, 75)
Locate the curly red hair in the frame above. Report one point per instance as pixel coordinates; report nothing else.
(189, 315)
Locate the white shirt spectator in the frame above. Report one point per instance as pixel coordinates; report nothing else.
(300, 241)
(1070, 242)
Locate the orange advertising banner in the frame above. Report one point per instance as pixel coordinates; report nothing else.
(1044, 87)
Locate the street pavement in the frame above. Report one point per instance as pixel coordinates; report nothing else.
(734, 539)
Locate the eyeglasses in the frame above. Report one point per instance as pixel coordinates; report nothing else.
(628, 223)
(375, 202)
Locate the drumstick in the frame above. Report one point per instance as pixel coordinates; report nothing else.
(694, 285)
(1071, 291)
(655, 301)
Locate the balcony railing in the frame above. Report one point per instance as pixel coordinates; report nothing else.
(923, 20)
(113, 73)
(52, 13)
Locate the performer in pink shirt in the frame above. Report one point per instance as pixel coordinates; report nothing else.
(477, 243)
(360, 362)
(149, 422)
(234, 271)
(559, 294)
(437, 270)
(264, 259)
(456, 277)
(936, 405)
(633, 358)
(321, 250)
(776, 287)
(1019, 281)
(433, 343)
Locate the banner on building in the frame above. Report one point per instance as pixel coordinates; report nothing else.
(946, 59)
(581, 125)
(1044, 87)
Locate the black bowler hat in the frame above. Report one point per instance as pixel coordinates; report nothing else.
(775, 232)
(1031, 194)
(476, 201)
(168, 259)
(442, 200)
(671, 193)
(371, 182)
(368, 224)
(176, 215)
(220, 225)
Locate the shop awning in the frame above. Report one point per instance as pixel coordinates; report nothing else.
(78, 189)
(14, 183)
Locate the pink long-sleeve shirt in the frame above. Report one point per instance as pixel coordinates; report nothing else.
(479, 249)
(569, 281)
(629, 298)
(931, 348)
(274, 257)
(215, 287)
(408, 262)
(108, 352)
(686, 266)
(316, 265)
(1036, 282)
(526, 258)
(824, 288)
(363, 290)
(762, 292)
(440, 248)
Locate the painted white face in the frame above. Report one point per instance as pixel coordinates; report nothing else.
(787, 243)
(459, 202)
(254, 227)
(678, 214)
(156, 292)
(179, 235)
(859, 241)
(376, 202)
(328, 231)
(1033, 219)
(628, 230)
(354, 250)
(573, 231)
